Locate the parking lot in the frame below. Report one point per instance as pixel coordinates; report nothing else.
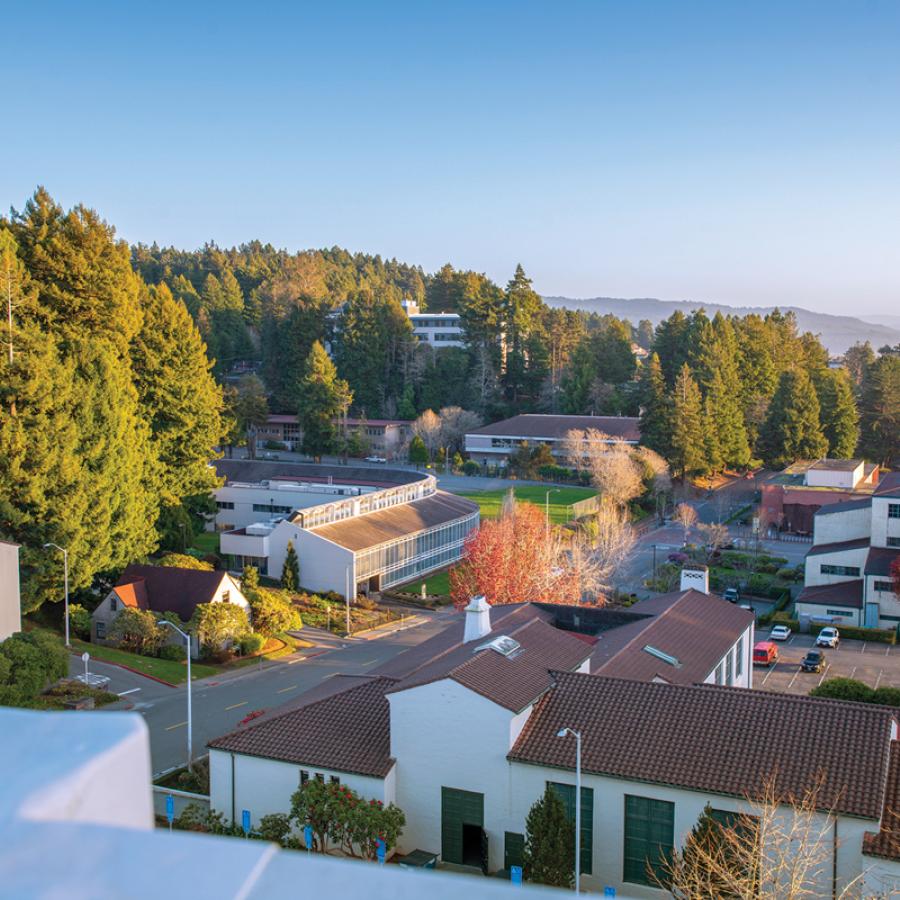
(875, 664)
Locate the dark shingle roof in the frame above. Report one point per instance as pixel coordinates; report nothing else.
(886, 841)
(880, 559)
(837, 546)
(840, 507)
(348, 729)
(696, 628)
(845, 593)
(836, 465)
(715, 739)
(170, 589)
(255, 470)
(889, 486)
(372, 529)
(546, 426)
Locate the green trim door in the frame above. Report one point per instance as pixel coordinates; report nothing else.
(567, 795)
(513, 849)
(458, 808)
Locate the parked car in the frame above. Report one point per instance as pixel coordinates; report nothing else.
(814, 661)
(679, 558)
(828, 637)
(376, 459)
(779, 633)
(765, 653)
(732, 594)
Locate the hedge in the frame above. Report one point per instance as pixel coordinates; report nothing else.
(878, 635)
(780, 604)
(856, 691)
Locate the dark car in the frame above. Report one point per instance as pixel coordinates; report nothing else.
(814, 661)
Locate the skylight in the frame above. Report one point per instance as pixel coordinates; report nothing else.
(504, 645)
(665, 657)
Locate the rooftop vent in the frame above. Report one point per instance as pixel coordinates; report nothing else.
(665, 657)
(504, 645)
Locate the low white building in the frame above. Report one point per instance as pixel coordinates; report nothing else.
(355, 530)
(848, 568)
(449, 730)
(10, 600)
(438, 330)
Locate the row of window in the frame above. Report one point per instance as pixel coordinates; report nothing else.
(893, 541)
(224, 504)
(304, 777)
(732, 666)
(849, 571)
(886, 586)
(436, 323)
(271, 508)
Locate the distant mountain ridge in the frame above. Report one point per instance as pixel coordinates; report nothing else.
(837, 332)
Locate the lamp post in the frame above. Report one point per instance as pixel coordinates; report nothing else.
(65, 554)
(190, 725)
(547, 502)
(563, 732)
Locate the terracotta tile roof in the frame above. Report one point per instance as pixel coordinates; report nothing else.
(372, 529)
(510, 681)
(555, 427)
(886, 841)
(880, 559)
(837, 546)
(695, 628)
(715, 739)
(169, 589)
(845, 593)
(347, 730)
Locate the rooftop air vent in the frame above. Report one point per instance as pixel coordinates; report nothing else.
(665, 657)
(504, 645)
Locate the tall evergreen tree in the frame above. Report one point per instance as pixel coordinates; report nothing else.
(792, 429)
(290, 571)
(656, 408)
(688, 448)
(837, 406)
(880, 411)
(714, 460)
(549, 842)
(671, 345)
(322, 397)
(522, 314)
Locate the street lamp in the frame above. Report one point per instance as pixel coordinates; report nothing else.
(190, 734)
(547, 502)
(65, 554)
(563, 732)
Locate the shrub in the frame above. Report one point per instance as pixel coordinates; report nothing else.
(28, 663)
(857, 691)
(886, 696)
(275, 827)
(184, 561)
(79, 620)
(877, 635)
(251, 643)
(215, 624)
(137, 630)
(173, 652)
(271, 613)
(470, 467)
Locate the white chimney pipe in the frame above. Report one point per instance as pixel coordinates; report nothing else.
(478, 619)
(696, 577)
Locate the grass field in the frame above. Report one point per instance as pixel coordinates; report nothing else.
(167, 669)
(560, 499)
(206, 542)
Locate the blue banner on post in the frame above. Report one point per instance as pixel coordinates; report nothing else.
(515, 874)
(609, 891)
(245, 821)
(170, 808)
(308, 836)
(380, 851)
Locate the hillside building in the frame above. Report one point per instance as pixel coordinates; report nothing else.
(387, 438)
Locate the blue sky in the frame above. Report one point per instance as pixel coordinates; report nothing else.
(744, 153)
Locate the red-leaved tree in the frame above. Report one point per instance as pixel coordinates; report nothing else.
(518, 558)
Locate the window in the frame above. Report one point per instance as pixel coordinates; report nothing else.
(320, 777)
(224, 504)
(893, 541)
(886, 586)
(567, 795)
(719, 673)
(739, 657)
(894, 510)
(226, 596)
(839, 612)
(304, 777)
(113, 604)
(649, 838)
(101, 630)
(729, 676)
(334, 779)
(849, 571)
(271, 508)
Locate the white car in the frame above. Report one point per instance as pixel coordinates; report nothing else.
(828, 637)
(780, 633)
(376, 459)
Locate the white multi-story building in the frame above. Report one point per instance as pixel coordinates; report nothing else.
(355, 530)
(848, 568)
(439, 330)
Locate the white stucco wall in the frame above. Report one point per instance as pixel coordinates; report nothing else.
(848, 616)
(835, 477)
(814, 576)
(10, 602)
(881, 877)
(265, 786)
(882, 526)
(745, 679)
(846, 525)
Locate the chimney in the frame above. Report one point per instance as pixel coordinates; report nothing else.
(696, 577)
(478, 619)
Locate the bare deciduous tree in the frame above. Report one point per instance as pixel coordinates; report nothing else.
(780, 849)
(613, 543)
(686, 517)
(715, 535)
(428, 427)
(456, 422)
(616, 474)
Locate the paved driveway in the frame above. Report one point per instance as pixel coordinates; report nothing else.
(875, 664)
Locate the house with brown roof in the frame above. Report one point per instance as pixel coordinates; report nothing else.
(494, 443)
(462, 732)
(164, 589)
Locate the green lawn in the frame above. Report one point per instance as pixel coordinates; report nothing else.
(560, 499)
(167, 669)
(206, 542)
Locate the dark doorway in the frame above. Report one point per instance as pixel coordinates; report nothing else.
(471, 835)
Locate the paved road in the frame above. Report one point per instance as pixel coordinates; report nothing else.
(875, 664)
(220, 702)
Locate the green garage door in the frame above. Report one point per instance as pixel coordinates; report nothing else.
(458, 808)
